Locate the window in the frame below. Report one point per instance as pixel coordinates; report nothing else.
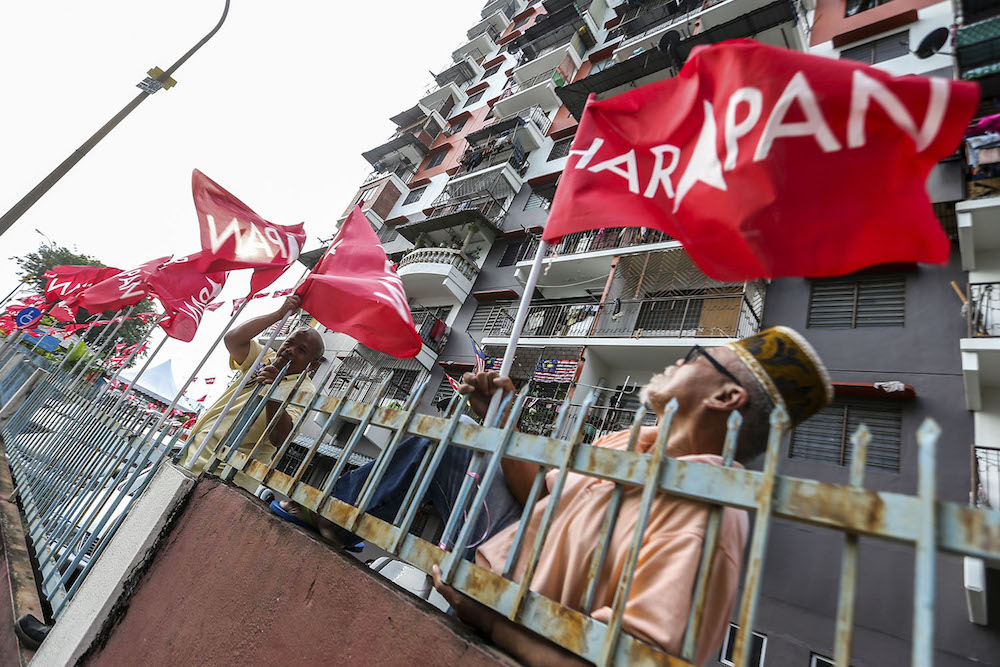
(816, 660)
(540, 197)
(457, 126)
(865, 301)
(757, 649)
(474, 98)
(436, 159)
(880, 50)
(521, 22)
(487, 315)
(491, 71)
(513, 253)
(387, 234)
(826, 436)
(560, 149)
(414, 196)
(853, 7)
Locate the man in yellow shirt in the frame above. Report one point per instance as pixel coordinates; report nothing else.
(302, 351)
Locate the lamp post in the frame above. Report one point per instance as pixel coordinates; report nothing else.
(156, 80)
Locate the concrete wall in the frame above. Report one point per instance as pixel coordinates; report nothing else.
(235, 585)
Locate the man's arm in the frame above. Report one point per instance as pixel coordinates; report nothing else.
(238, 339)
(519, 475)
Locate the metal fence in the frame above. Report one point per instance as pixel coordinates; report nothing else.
(92, 459)
(921, 521)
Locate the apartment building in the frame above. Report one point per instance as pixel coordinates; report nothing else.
(460, 192)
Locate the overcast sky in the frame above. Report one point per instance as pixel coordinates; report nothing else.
(276, 108)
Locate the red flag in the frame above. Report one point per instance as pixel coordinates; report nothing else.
(454, 384)
(237, 303)
(203, 398)
(214, 306)
(68, 280)
(184, 292)
(283, 292)
(260, 295)
(119, 347)
(354, 290)
(209, 380)
(766, 162)
(234, 237)
(62, 312)
(124, 289)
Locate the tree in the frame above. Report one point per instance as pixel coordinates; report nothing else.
(35, 264)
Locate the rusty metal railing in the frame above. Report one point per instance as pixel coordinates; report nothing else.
(922, 521)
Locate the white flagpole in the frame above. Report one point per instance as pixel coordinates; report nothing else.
(515, 333)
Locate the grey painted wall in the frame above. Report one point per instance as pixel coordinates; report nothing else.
(801, 577)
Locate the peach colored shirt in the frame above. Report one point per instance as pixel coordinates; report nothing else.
(660, 598)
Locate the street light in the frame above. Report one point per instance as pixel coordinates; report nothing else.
(156, 80)
(40, 233)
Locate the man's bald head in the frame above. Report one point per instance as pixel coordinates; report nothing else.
(301, 350)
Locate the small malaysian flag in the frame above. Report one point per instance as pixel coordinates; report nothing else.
(480, 355)
(556, 370)
(493, 363)
(454, 384)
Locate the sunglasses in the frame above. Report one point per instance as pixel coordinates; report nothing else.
(699, 351)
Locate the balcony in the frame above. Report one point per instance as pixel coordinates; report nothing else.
(528, 125)
(653, 322)
(538, 91)
(973, 11)
(377, 196)
(479, 45)
(563, 56)
(977, 48)
(410, 144)
(443, 98)
(507, 7)
(978, 223)
(562, 27)
(773, 23)
(497, 20)
(588, 255)
(466, 69)
(429, 273)
(981, 347)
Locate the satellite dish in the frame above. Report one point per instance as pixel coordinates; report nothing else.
(932, 43)
(668, 44)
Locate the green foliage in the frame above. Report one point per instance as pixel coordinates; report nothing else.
(35, 264)
(77, 352)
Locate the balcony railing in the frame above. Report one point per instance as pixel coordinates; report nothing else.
(447, 256)
(985, 491)
(729, 315)
(491, 209)
(531, 116)
(515, 87)
(477, 159)
(489, 30)
(432, 330)
(649, 16)
(983, 310)
(599, 239)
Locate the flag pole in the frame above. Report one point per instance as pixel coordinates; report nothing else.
(515, 333)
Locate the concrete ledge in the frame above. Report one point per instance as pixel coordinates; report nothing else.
(235, 585)
(18, 575)
(108, 586)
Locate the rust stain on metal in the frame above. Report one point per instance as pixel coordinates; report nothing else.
(851, 508)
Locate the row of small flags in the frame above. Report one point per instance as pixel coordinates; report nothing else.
(276, 294)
